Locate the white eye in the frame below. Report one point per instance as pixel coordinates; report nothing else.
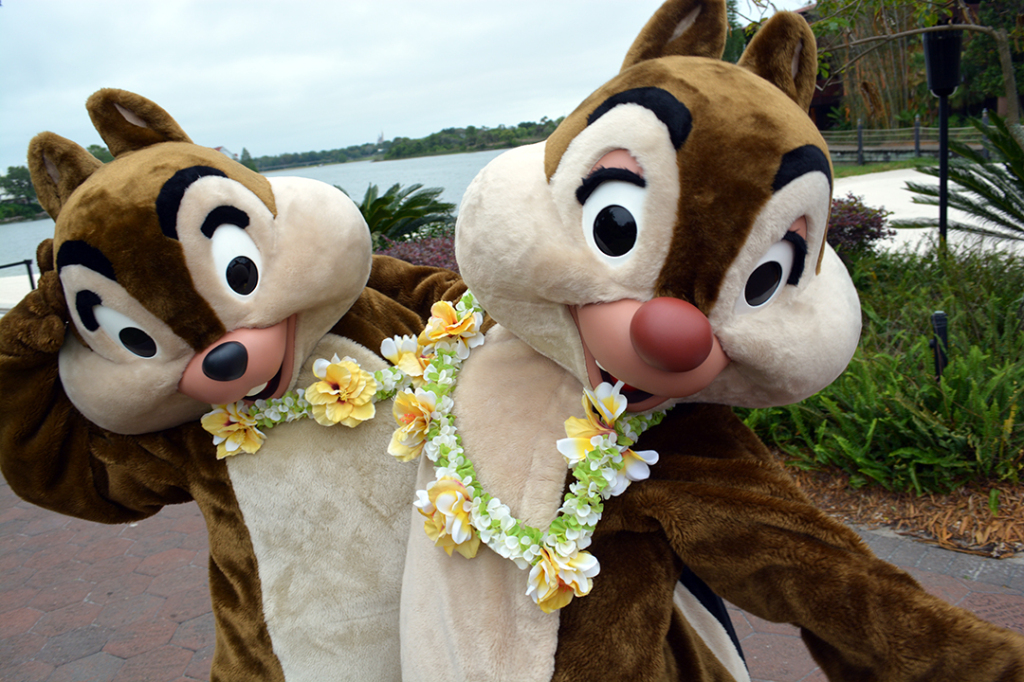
(768, 277)
(125, 330)
(236, 259)
(612, 219)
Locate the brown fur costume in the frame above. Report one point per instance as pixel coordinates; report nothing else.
(307, 535)
(701, 189)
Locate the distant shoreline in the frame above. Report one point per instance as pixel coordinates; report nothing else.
(376, 158)
(42, 215)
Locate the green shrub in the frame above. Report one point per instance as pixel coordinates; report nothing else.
(887, 420)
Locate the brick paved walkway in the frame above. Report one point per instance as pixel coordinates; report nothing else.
(990, 588)
(82, 601)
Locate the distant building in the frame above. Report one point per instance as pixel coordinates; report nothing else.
(227, 152)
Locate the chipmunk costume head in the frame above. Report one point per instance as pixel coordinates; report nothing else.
(671, 232)
(253, 251)
(665, 248)
(178, 279)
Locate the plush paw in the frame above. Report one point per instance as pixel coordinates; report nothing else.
(38, 322)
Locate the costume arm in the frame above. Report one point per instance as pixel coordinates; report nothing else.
(49, 453)
(416, 287)
(738, 521)
(397, 301)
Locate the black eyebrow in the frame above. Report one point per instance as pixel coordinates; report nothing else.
(799, 255)
(798, 162)
(85, 301)
(594, 180)
(77, 252)
(171, 194)
(670, 111)
(224, 215)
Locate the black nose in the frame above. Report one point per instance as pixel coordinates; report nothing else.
(226, 362)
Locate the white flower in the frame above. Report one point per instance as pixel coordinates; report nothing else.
(555, 579)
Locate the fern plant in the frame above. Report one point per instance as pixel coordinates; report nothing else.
(887, 420)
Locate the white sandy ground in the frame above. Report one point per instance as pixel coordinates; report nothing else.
(880, 190)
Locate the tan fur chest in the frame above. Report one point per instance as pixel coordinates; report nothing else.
(470, 618)
(330, 554)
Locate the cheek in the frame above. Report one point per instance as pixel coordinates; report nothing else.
(129, 398)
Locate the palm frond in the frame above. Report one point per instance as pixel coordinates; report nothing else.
(401, 211)
(990, 191)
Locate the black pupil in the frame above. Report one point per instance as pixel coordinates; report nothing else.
(614, 230)
(763, 283)
(138, 342)
(242, 275)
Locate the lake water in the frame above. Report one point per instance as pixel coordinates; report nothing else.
(18, 241)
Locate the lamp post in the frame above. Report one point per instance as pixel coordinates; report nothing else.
(942, 66)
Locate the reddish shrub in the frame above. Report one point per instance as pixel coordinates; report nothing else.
(854, 227)
(436, 251)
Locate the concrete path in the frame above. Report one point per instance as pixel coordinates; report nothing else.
(83, 601)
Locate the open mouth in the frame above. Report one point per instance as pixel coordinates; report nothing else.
(268, 389)
(238, 366)
(631, 394)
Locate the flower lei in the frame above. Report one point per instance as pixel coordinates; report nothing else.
(344, 394)
(460, 515)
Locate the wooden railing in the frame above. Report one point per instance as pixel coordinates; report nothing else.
(899, 137)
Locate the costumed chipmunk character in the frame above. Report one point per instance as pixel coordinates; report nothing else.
(176, 279)
(664, 250)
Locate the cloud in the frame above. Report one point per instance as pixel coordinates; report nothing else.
(278, 77)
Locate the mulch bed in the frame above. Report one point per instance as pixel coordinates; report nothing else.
(960, 521)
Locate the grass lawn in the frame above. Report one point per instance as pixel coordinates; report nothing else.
(849, 170)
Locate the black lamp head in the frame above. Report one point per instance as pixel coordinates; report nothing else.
(942, 61)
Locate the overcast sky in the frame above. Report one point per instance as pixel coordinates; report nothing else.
(277, 76)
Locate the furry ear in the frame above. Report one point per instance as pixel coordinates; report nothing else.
(784, 52)
(58, 166)
(686, 28)
(127, 121)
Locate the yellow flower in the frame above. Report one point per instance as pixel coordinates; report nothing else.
(580, 432)
(405, 353)
(344, 394)
(556, 579)
(233, 430)
(446, 504)
(446, 325)
(412, 413)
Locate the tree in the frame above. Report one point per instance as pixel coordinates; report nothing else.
(100, 153)
(884, 84)
(980, 68)
(734, 41)
(857, 24)
(247, 160)
(18, 185)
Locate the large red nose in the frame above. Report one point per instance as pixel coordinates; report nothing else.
(671, 335)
